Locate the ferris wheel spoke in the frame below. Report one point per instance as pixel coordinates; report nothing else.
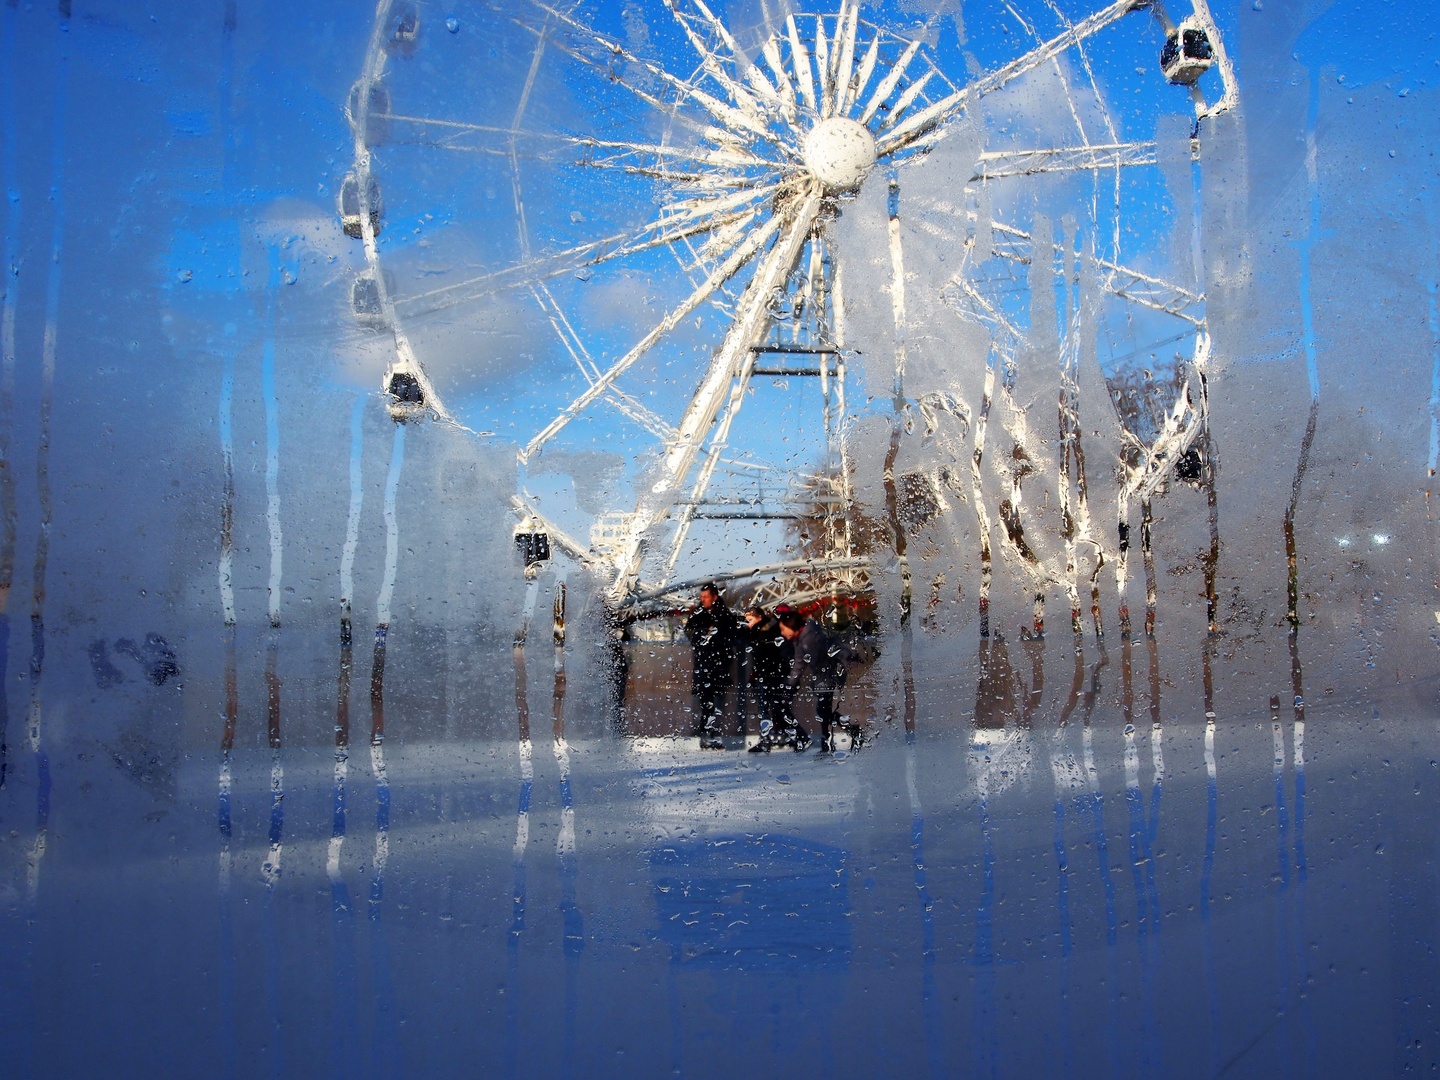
(679, 214)
(800, 61)
(610, 75)
(914, 90)
(719, 27)
(565, 331)
(703, 262)
(857, 86)
(690, 264)
(731, 116)
(1154, 294)
(640, 413)
(922, 122)
(998, 164)
(723, 157)
(450, 138)
(730, 168)
(712, 65)
(775, 62)
(780, 102)
(889, 82)
(721, 244)
(978, 309)
(781, 98)
(673, 234)
(747, 251)
(823, 73)
(845, 68)
(622, 402)
(780, 94)
(568, 261)
(751, 319)
(699, 206)
(697, 180)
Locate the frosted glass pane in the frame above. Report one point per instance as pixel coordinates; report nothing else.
(380, 386)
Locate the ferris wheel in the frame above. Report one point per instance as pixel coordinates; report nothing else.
(751, 144)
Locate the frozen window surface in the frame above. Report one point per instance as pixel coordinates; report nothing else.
(379, 387)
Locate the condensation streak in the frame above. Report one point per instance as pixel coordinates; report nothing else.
(392, 529)
(272, 440)
(1431, 287)
(42, 456)
(357, 500)
(231, 689)
(11, 285)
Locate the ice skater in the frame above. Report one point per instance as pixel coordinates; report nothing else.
(712, 631)
(821, 661)
(766, 661)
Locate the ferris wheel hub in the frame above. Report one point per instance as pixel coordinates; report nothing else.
(838, 152)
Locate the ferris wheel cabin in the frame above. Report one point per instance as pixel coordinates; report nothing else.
(407, 396)
(366, 302)
(352, 208)
(533, 544)
(1187, 53)
(370, 103)
(406, 32)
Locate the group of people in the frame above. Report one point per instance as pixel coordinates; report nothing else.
(777, 654)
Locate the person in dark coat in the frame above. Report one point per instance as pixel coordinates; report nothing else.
(766, 662)
(616, 666)
(712, 631)
(819, 661)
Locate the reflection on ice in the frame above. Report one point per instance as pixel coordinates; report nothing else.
(946, 854)
(753, 903)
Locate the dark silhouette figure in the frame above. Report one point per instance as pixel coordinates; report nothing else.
(616, 666)
(822, 662)
(765, 665)
(712, 631)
